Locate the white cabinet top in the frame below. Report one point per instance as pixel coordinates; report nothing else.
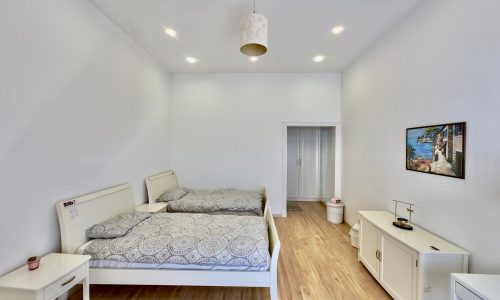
(418, 239)
(52, 267)
(484, 285)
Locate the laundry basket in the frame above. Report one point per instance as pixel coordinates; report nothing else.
(335, 212)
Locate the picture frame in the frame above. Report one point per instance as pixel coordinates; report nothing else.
(437, 149)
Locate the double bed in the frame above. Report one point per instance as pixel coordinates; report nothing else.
(164, 187)
(171, 248)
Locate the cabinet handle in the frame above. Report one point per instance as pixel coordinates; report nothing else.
(376, 254)
(69, 280)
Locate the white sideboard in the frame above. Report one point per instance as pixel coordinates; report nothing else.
(475, 287)
(409, 264)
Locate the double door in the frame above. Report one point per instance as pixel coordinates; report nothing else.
(303, 163)
(393, 264)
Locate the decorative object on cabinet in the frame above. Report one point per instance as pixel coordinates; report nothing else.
(33, 262)
(475, 286)
(403, 223)
(409, 265)
(60, 272)
(437, 149)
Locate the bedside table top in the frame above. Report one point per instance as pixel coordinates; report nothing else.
(52, 267)
(484, 285)
(151, 207)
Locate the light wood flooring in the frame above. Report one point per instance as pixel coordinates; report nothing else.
(316, 262)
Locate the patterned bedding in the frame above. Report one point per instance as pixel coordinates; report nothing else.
(187, 241)
(222, 201)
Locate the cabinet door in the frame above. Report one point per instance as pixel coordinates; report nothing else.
(369, 245)
(398, 271)
(309, 163)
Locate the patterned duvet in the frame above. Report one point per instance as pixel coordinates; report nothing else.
(218, 201)
(187, 241)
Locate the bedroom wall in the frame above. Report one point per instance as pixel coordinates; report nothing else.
(227, 128)
(82, 108)
(440, 64)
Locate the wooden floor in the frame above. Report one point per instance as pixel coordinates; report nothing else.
(316, 262)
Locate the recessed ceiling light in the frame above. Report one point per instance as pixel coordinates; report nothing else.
(318, 58)
(170, 32)
(253, 58)
(191, 60)
(338, 29)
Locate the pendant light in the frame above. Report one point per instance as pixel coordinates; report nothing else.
(253, 34)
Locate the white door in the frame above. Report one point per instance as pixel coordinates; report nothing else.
(303, 163)
(309, 163)
(293, 167)
(369, 247)
(398, 269)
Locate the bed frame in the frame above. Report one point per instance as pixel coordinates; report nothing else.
(77, 214)
(160, 183)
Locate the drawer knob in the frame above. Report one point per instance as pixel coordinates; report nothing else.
(68, 281)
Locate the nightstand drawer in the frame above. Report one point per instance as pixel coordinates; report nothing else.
(65, 283)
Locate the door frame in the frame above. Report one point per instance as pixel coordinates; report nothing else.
(338, 168)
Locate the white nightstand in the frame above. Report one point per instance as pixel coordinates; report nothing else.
(152, 208)
(56, 275)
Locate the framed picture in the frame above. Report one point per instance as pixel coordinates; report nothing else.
(437, 149)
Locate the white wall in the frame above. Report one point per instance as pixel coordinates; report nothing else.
(82, 108)
(440, 64)
(227, 128)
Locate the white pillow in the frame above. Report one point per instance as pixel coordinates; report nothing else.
(116, 227)
(172, 195)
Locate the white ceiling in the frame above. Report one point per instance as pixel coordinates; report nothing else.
(298, 30)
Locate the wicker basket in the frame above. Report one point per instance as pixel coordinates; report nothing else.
(335, 212)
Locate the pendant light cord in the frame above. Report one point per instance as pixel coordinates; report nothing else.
(253, 6)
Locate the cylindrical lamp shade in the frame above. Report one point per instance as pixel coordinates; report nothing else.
(253, 35)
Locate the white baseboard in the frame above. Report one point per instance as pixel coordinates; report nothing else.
(304, 199)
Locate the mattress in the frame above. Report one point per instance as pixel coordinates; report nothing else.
(186, 241)
(224, 201)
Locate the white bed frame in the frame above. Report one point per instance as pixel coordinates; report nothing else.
(160, 183)
(76, 215)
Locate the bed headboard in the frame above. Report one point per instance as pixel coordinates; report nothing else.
(159, 184)
(265, 204)
(78, 214)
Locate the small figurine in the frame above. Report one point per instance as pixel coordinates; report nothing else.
(403, 223)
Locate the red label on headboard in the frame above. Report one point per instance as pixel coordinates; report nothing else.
(68, 203)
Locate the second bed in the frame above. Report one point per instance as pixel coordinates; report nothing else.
(163, 187)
